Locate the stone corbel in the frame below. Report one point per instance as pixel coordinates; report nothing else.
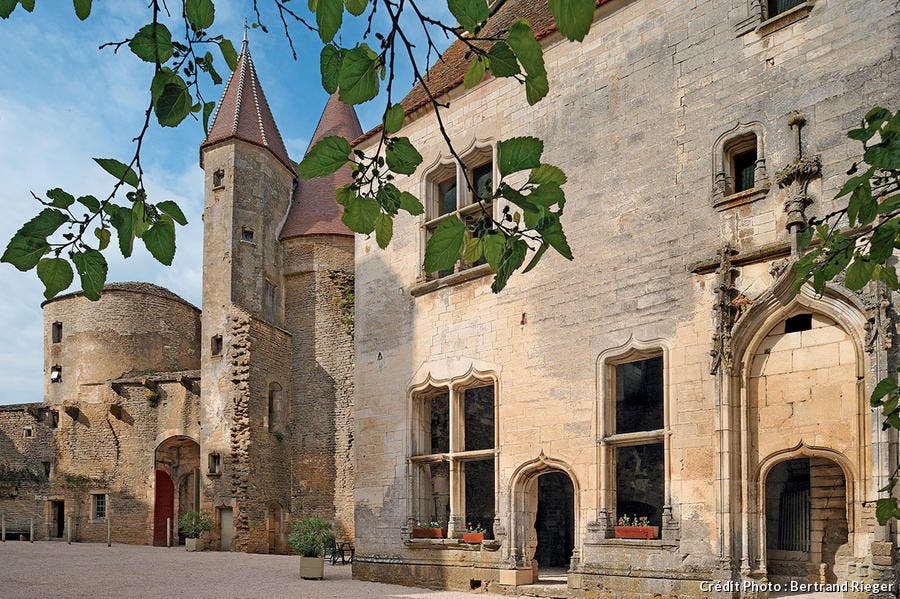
(671, 528)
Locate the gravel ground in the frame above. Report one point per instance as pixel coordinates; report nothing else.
(54, 570)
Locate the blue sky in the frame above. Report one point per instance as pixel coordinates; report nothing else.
(63, 102)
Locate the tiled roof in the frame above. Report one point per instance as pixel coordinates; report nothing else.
(244, 114)
(313, 209)
(448, 72)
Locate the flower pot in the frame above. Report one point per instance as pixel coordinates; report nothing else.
(473, 537)
(312, 568)
(636, 532)
(428, 533)
(194, 544)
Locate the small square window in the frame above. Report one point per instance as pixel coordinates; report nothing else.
(214, 464)
(247, 234)
(219, 178)
(98, 506)
(56, 333)
(28, 432)
(56, 374)
(216, 345)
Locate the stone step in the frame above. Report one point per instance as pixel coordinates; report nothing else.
(545, 591)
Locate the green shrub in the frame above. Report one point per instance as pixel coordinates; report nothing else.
(194, 524)
(309, 536)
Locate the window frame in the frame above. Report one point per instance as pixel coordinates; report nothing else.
(738, 140)
(214, 457)
(478, 155)
(455, 389)
(609, 441)
(95, 496)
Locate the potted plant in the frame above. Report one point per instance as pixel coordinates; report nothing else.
(634, 527)
(473, 534)
(194, 524)
(428, 530)
(308, 538)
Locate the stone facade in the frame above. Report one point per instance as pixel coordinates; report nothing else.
(152, 410)
(646, 116)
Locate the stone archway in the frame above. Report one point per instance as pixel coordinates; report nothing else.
(176, 490)
(806, 523)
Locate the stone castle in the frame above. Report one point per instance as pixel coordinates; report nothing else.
(668, 373)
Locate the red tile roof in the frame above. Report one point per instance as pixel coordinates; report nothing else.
(448, 72)
(244, 114)
(313, 209)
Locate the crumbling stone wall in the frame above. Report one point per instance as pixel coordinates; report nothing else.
(22, 466)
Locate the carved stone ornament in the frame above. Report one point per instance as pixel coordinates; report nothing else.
(879, 319)
(727, 308)
(795, 179)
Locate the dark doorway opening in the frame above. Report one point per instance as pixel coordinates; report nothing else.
(58, 518)
(163, 508)
(555, 521)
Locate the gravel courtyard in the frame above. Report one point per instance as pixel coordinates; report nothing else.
(54, 569)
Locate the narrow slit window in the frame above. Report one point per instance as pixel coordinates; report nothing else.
(744, 170)
(440, 424)
(57, 332)
(54, 418)
(46, 467)
(214, 463)
(216, 345)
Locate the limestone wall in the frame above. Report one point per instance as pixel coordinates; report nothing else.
(633, 116)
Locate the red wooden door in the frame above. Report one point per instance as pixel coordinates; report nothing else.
(163, 507)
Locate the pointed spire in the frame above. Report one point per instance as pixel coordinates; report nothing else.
(313, 209)
(244, 113)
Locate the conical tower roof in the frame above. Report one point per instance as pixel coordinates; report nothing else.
(313, 209)
(244, 114)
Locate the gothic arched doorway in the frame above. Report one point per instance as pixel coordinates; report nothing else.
(175, 459)
(806, 521)
(554, 523)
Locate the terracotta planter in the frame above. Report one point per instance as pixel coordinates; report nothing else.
(428, 533)
(312, 568)
(636, 532)
(194, 544)
(473, 537)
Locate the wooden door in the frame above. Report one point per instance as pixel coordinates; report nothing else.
(163, 507)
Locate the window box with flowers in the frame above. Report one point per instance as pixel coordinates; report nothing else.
(428, 530)
(634, 527)
(473, 533)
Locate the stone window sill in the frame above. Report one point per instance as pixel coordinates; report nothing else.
(454, 544)
(635, 543)
(741, 198)
(457, 278)
(782, 20)
(214, 474)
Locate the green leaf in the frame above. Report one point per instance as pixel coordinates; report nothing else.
(547, 173)
(24, 252)
(330, 66)
(329, 14)
(139, 221)
(884, 387)
(28, 5)
(152, 43)
(360, 214)
(359, 76)
(6, 8)
(103, 235)
(536, 258)
(536, 87)
(44, 224)
(200, 13)
(121, 219)
(82, 9)
(119, 170)
(207, 111)
(573, 17)
(160, 240)
(861, 205)
(547, 194)
(526, 48)
(173, 210)
(885, 509)
(885, 155)
(475, 73)
(402, 157)
(92, 269)
(503, 62)
(474, 250)
(388, 197)
(174, 103)
(228, 53)
(512, 258)
(56, 275)
(356, 7)
(518, 153)
(859, 273)
(328, 155)
(445, 245)
(469, 13)
(393, 119)
(493, 249)
(554, 235)
(889, 276)
(384, 229)
(411, 204)
(882, 242)
(208, 65)
(61, 199)
(91, 203)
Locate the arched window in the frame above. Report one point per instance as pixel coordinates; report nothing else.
(739, 167)
(276, 409)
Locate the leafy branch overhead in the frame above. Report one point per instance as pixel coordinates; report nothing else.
(70, 235)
